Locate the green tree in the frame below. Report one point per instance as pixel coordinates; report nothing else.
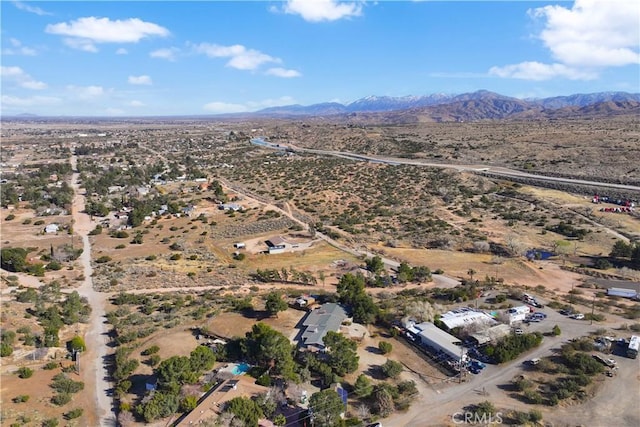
(385, 347)
(363, 386)
(351, 292)
(405, 273)
(245, 410)
(13, 259)
(383, 401)
(621, 249)
(5, 350)
(77, 344)
(391, 368)
(202, 359)
(188, 403)
(343, 355)
(161, 405)
(326, 406)
(375, 264)
(268, 348)
(176, 370)
(275, 303)
(556, 330)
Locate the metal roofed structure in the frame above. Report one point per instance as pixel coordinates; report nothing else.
(432, 336)
(464, 317)
(318, 322)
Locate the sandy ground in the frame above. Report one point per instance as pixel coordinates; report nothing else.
(93, 362)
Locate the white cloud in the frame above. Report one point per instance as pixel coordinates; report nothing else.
(18, 49)
(538, 71)
(22, 79)
(224, 107)
(240, 57)
(31, 9)
(322, 10)
(9, 101)
(83, 33)
(122, 51)
(86, 92)
(167, 53)
(140, 80)
(593, 33)
(136, 103)
(81, 44)
(583, 40)
(282, 72)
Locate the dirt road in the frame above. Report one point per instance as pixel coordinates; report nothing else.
(92, 363)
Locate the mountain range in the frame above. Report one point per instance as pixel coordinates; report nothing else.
(468, 106)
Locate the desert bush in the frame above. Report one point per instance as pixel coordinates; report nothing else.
(74, 413)
(391, 368)
(385, 347)
(50, 366)
(25, 372)
(61, 399)
(151, 350)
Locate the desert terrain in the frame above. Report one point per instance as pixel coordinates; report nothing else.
(165, 230)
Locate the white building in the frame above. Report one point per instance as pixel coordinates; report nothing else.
(465, 317)
(437, 340)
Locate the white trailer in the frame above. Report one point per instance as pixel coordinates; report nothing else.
(622, 292)
(634, 346)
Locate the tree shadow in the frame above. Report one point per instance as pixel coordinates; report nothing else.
(373, 350)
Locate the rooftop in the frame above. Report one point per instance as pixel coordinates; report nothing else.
(433, 333)
(318, 322)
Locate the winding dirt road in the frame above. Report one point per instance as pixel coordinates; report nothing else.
(93, 362)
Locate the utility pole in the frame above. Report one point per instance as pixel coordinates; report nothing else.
(593, 306)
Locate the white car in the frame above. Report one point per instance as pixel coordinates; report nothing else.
(578, 316)
(519, 332)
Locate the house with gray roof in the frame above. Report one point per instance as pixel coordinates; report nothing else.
(318, 322)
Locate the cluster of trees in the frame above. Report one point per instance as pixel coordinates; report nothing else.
(568, 230)
(383, 397)
(53, 312)
(64, 387)
(173, 373)
(34, 186)
(622, 249)
(290, 275)
(511, 346)
(406, 273)
(351, 292)
(15, 260)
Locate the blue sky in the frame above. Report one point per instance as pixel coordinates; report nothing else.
(141, 58)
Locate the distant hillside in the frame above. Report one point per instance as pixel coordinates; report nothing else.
(480, 105)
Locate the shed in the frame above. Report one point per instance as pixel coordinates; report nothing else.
(52, 228)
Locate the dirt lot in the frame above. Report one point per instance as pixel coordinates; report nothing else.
(236, 325)
(39, 407)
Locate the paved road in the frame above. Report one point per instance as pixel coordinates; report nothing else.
(494, 170)
(92, 363)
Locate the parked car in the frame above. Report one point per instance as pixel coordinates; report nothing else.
(532, 362)
(519, 332)
(577, 316)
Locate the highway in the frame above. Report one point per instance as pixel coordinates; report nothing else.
(481, 169)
